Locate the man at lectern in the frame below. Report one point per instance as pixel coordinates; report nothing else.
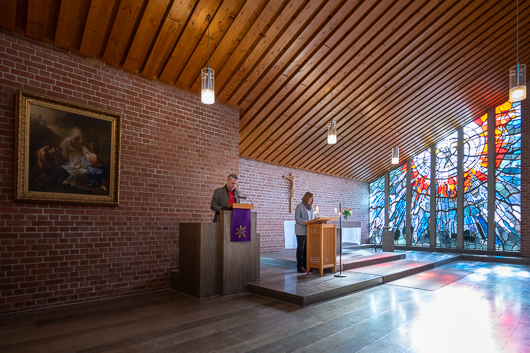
(225, 196)
(303, 213)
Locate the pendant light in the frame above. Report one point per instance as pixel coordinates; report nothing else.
(207, 75)
(395, 155)
(517, 73)
(332, 126)
(395, 150)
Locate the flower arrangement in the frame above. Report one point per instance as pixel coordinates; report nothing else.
(346, 212)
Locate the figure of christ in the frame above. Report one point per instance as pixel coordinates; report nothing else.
(292, 179)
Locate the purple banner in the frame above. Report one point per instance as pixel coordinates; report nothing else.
(240, 230)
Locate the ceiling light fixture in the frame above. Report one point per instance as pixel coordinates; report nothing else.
(207, 75)
(395, 150)
(395, 155)
(332, 126)
(517, 73)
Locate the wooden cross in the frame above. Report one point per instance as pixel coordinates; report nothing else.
(292, 179)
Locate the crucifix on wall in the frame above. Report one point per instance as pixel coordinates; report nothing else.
(292, 179)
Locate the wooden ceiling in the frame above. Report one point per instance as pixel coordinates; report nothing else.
(390, 72)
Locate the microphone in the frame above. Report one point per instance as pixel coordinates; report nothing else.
(245, 197)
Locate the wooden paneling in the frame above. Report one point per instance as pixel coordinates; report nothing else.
(8, 13)
(147, 31)
(42, 19)
(71, 23)
(125, 24)
(405, 72)
(98, 26)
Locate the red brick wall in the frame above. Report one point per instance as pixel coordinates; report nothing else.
(525, 177)
(174, 152)
(269, 191)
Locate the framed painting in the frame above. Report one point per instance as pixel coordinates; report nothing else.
(65, 152)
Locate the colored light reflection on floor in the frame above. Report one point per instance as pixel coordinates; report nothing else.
(436, 330)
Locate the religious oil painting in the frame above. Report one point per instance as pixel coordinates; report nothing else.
(65, 152)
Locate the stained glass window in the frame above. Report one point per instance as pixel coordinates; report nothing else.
(508, 176)
(377, 210)
(446, 179)
(420, 167)
(398, 203)
(475, 158)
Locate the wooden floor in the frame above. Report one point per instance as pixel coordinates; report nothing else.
(484, 311)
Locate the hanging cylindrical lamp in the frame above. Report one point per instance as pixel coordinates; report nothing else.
(332, 132)
(517, 83)
(395, 155)
(207, 75)
(208, 86)
(332, 125)
(517, 73)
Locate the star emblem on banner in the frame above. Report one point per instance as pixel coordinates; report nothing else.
(241, 231)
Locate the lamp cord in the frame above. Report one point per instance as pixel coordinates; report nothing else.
(208, 19)
(517, 41)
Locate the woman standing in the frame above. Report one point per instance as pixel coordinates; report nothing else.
(303, 213)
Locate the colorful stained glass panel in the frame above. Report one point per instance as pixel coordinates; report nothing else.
(508, 176)
(420, 167)
(446, 188)
(377, 210)
(475, 164)
(398, 203)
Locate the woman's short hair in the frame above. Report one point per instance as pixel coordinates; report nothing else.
(307, 196)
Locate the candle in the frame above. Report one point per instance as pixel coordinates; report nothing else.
(316, 209)
(335, 210)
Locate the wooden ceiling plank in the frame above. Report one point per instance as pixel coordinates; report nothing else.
(362, 97)
(228, 45)
(291, 94)
(313, 53)
(316, 93)
(98, 26)
(167, 38)
(71, 22)
(150, 23)
(463, 117)
(245, 47)
(307, 112)
(268, 39)
(8, 14)
(337, 69)
(42, 19)
(121, 35)
(220, 24)
(462, 75)
(293, 40)
(188, 40)
(348, 86)
(22, 16)
(369, 145)
(441, 109)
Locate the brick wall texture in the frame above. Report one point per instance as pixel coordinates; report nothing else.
(269, 190)
(174, 151)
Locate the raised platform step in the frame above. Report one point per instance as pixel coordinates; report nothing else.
(361, 271)
(312, 288)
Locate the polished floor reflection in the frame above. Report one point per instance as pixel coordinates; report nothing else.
(483, 307)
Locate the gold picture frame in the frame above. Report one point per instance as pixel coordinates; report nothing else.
(65, 152)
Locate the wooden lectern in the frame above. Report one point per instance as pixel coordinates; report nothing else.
(210, 264)
(321, 244)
